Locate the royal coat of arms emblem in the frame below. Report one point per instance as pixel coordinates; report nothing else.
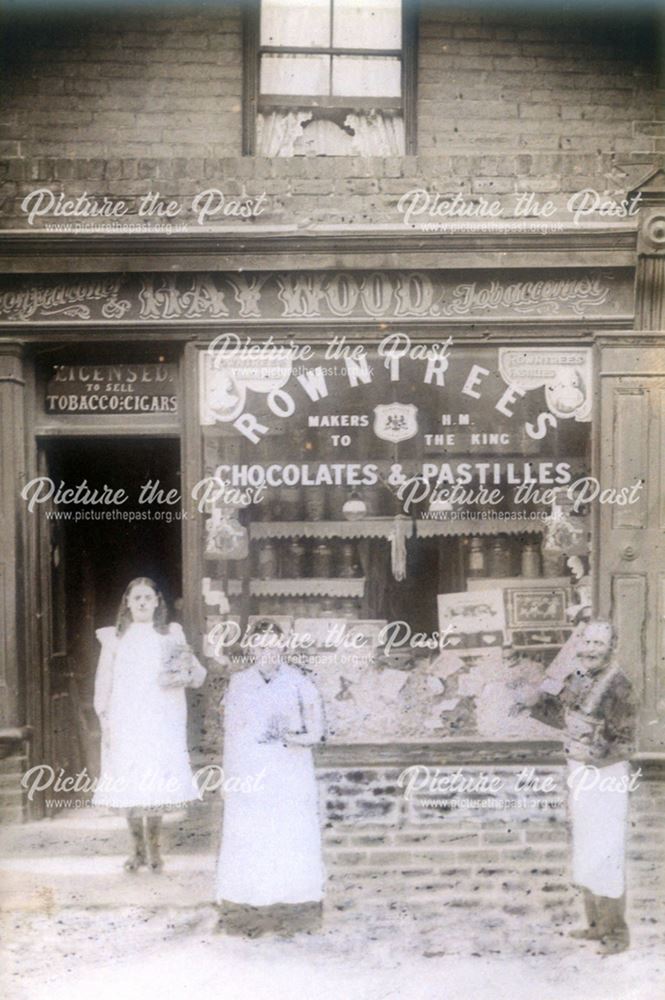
(396, 421)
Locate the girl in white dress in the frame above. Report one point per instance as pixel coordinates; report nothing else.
(271, 837)
(144, 668)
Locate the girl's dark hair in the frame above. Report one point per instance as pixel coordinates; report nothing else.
(160, 618)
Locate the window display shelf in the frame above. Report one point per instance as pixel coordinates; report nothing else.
(372, 527)
(477, 526)
(305, 587)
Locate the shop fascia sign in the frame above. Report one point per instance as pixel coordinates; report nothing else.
(231, 370)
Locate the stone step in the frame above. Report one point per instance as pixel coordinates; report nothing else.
(11, 813)
(93, 832)
(47, 884)
(13, 764)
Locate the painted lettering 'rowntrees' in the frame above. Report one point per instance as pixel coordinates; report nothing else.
(283, 404)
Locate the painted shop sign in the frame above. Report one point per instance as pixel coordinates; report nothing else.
(132, 390)
(65, 300)
(325, 296)
(510, 407)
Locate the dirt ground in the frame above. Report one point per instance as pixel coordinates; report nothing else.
(140, 954)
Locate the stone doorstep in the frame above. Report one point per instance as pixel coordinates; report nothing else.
(46, 884)
(94, 832)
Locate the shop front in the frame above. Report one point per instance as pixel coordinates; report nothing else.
(400, 509)
(421, 473)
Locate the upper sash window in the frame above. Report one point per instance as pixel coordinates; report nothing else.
(329, 77)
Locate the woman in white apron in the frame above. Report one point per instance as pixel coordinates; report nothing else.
(271, 837)
(144, 668)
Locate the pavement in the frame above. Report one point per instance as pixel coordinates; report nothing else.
(73, 925)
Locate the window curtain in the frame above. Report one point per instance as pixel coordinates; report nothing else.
(300, 133)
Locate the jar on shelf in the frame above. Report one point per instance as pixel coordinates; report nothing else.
(355, 508)
(293, 559)
(530, 560)
(286, 606)
(315, 503)
(263, 510)
(372, 497)
(500, 560)
(347, 563)
(322, 560)
(337, 497)
(327, 607)
(477, 563)
(554, 563)
(291, 501)
(348, 608)
(267, 561)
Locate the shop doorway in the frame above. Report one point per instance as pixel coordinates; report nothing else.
(89, 553)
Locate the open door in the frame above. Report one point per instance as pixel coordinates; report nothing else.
(631, 570)
(88, 556)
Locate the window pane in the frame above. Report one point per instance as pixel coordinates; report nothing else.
(366, 76)
(305, 76)
(287, 22)
(373, 25)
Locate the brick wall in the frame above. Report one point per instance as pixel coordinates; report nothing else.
(466, 875)
(123, 89)
(539, 88)
(127, 105)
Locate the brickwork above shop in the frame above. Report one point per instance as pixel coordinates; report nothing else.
(135, 104)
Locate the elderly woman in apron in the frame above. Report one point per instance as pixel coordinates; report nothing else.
(270, 863)
(144, 667)
(597, 713)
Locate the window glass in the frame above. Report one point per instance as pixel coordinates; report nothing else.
(295, 75)
(360, 25)
(366, 76)
(303, 24)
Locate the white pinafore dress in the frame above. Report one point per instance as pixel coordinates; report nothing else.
(271, 835)
(145, 761)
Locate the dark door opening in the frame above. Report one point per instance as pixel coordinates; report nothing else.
(94, 550)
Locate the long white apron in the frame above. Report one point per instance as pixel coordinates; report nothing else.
(271, 836)
(598, 799)
(145, 761)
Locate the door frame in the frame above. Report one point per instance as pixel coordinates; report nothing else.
(636, 359)
(38, 604)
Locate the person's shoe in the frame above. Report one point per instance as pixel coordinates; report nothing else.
(614, 944)
(138, 859)
(155, 860)
(616, 936)
(133, 863)
(593, 931)
(586, 934)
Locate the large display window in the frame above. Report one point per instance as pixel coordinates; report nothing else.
(414, 515)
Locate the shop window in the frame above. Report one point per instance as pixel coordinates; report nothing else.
(329, 78)
(309, 528)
